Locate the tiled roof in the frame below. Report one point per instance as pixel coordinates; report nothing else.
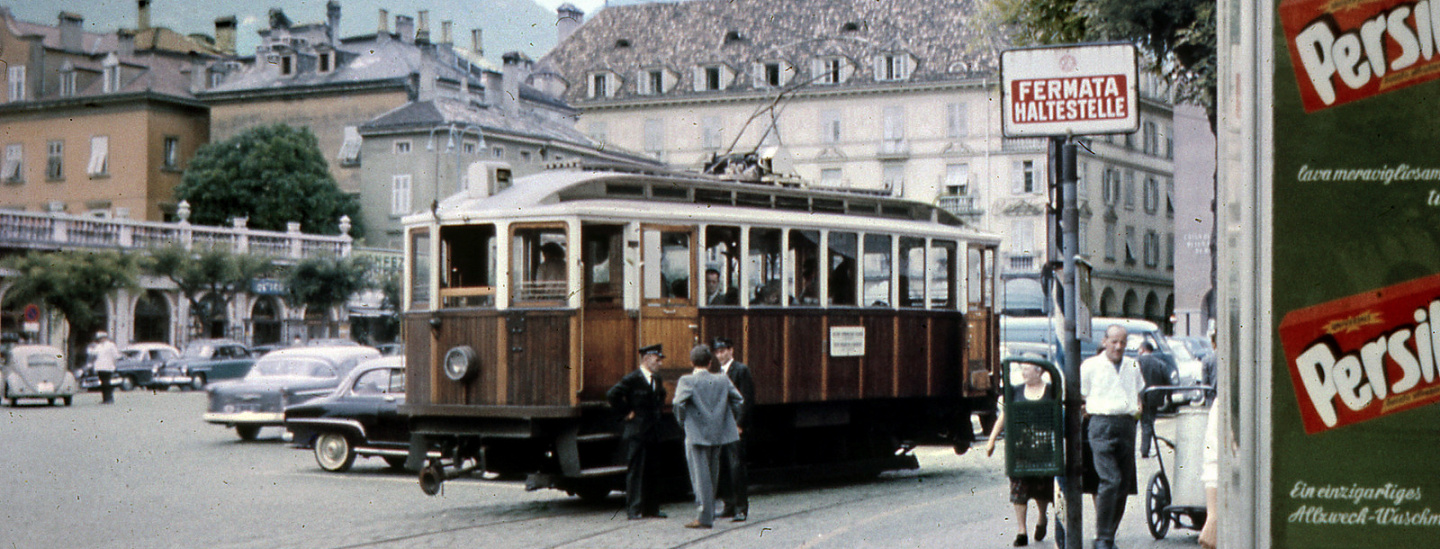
(943, 36)
(442, 110)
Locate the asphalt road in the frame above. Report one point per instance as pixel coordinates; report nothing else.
(147, 472)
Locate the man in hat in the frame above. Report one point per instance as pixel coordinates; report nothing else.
(706, 404)
(639, 396)
(734, 478)
(104, 353)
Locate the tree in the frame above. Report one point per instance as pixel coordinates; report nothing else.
(325, 283)
(1178, 36)
(271, 175)
(210, 279)
(75, 284)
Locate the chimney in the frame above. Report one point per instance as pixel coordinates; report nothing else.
(445, 37)
(125, 42)
(143, 15)
(516, 68)
(225, 34)
(476, 44)
(71, 36)
(568, 19)
(332, 19)
(494, 89)
(405, 27)
(422, 30)
(384, 27)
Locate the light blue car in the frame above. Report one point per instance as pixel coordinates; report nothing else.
(36, 372)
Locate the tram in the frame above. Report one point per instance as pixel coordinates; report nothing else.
(868, 322)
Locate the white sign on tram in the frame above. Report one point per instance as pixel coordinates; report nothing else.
(1069, 90)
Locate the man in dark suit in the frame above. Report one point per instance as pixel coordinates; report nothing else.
(735, 479)
(1156, 374)
(639, 396)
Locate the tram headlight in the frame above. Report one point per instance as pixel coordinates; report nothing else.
(460, 364)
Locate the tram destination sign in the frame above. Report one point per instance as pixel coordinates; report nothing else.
(1069, 90)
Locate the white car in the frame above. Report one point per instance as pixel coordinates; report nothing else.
(36, 372)
(1191, 372)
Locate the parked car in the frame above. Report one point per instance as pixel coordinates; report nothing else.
(204, 361)
(282, 378)
(1197, 345)
(1191, 372)
(360, 418)
(36, 372)
(391, 349)
(138, 364)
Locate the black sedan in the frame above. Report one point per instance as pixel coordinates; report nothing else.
(360, 418)
(280, 379)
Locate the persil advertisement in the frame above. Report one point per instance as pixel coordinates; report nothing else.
(1355, 400)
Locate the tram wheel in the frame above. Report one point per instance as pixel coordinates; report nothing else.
(1157, 498)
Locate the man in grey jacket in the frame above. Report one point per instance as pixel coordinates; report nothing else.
(706, 404)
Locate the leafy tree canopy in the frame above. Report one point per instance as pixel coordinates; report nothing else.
(207, 277)
(271, 175)
(326, 282)
(74, 283)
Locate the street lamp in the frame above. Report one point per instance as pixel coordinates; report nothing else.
(452, 131)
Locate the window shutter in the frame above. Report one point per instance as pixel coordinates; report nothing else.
(757, 75)
(1017, 178)
(642, 83)
(698, 78)
(847, 69)
(879, 68)
(817, 68)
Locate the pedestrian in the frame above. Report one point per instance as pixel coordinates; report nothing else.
(734, 476)
(1156, 374)
(1110, 384)
(103, 354)
(706, 404)
(639, 396)
(1024, 489)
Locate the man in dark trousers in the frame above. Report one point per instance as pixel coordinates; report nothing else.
(1110, 384)
(1156, 374)
(639, 396)
(706, 404)
(734, 478)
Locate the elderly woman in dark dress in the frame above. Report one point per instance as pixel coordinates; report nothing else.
(1024, 489)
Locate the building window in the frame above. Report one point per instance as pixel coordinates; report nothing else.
(893, 67)
(1022, 173)
(1170, 198)
(599, 85)
(1111, 187)
(893, 176)
(655, 138)
(957, 179)
(655, 81)
(172, 152)
(830, 126)
(712, 78)
(323, 63)
(468, 147)
(1169, 143)
(350, 147)
(400, 194)
(1170, 251)
(216, 78)
(498, 152)
(14, 167)
(1110, 240)
(828, 70)
(524, 156)
(711, 133)
(67, 84)
(1151, 139)
(1130, 251)
(111, 77)
(402, 147)
(772, 74)
(55, 160)
(957, 123)
(1152, 248)
(1152, 195)
(99, 156)
(16, 76)
(1129, 190)
(894, 136)
(1022, 237)
(287, 65)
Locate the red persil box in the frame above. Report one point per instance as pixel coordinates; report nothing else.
(1346, 50)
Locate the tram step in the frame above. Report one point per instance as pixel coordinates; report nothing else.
(602, 471)
(596, 437)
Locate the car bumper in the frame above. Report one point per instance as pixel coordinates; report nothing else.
(170, 380)
(246, 418)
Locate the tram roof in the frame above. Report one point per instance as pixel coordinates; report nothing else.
(631, 194)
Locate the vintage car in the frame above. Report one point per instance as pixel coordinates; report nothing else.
(360, 417)
(137, 366)
(279, 379)
(204, 361)
(36, 372)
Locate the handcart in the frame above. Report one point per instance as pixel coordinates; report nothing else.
(1183, 501)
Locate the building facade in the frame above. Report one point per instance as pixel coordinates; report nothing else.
(876, 97)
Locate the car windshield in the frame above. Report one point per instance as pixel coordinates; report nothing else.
(198, 351)
(132, 354)
(291, 366)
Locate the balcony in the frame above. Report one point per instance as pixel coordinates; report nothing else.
(1024, 145)
(1022, 262)
(53, 231)
(893, 149)
(960, 205)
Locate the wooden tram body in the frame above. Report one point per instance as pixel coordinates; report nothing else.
(867, 322)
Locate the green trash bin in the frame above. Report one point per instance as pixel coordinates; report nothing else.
(1034, 430)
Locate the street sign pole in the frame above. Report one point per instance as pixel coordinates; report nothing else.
(1070, 250)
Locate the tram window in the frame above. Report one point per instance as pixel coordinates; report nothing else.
(467, 253)
(752, 199)
(912, 272)
(708, 196)
(877, 270)
(419, 269)
(792, 203)
(618, 189)
(537, 264)
(942, 274)
(722, 266)
(667, 264)
(604, 262)
(828, 205)
(805, 256)
(842, 268)
(663, 191)
(974, 277)
(765, 267)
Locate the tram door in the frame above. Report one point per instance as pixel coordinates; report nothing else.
(981, 324)
(668, 287)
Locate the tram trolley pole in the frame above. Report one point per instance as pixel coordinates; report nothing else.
(1070, 250)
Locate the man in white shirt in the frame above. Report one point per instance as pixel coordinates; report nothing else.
(105, 354)
(1110, 384)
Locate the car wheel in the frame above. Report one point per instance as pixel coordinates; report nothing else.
(247, 432)
(334, 453)
(67, 401)
(127, 383)
(197, 382)
(395, 462)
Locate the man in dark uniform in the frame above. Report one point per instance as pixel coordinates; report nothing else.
(639, 396)
(1156, 374)
(734, 479)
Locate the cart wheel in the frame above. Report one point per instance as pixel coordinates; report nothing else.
(1157, 498)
